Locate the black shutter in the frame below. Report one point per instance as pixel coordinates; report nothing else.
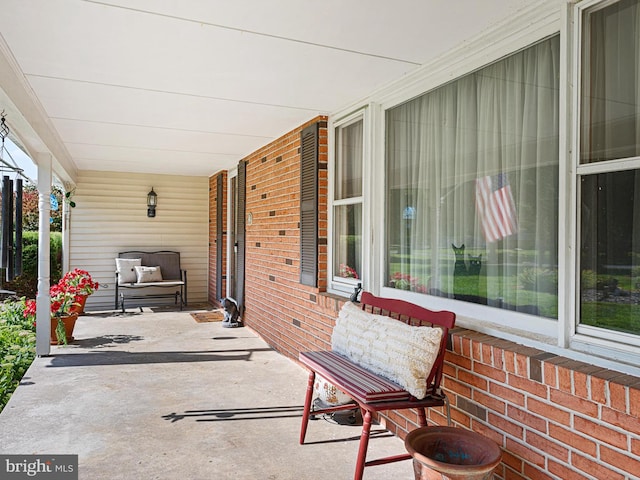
(240, 232)
(219, 233)
(309, 206)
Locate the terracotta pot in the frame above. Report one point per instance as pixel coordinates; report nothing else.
(79, 307)
(69, 323)
(448, 453)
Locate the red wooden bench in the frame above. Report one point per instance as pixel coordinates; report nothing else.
(371, 391)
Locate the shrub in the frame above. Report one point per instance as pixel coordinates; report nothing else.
(17, 346)
(539, 279)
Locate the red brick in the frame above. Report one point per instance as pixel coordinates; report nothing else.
(534, 473)
(516, 463)
(486, 354)
(570, 402)
(618, 396)
(509, 361)
(505, 425)
(527, 385)
(550, 374)
(498, 358)
(619, 460)
(490, 433)
(506, 393)
(490, 372)
(522, 365)
(455, 386)
(466, 347)
(594, 469)
(564, 473)
(490, 402)
(549, 411)
(564, 379)
(634, 402)
(524, 452)
(472, 379)
(577, 442)
(621, 420)
(476, 350)
(580, 386)
(526, 418)
(598, 390)
(549, 447)
(635, 446)
(602, 433)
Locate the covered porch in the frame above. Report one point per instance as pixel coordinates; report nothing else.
(159, 395)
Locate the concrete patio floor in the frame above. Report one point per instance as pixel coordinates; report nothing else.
(156, 395)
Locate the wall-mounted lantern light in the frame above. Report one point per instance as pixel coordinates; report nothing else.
(152, 201)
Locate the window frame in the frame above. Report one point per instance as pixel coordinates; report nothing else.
(538, 20)
(337, 284)
(617, 346)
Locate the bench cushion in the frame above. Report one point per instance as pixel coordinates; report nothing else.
(146, 274)
(163, 283)
(126, 268)
(354, 380)
(402, 353)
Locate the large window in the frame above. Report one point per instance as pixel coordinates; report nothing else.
(609, 169)
(472, 186)
(347, 204)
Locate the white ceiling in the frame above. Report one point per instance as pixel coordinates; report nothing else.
(190, 87)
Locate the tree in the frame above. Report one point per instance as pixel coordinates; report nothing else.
(30, 214)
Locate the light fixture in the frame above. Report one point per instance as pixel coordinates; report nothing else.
(152, 201)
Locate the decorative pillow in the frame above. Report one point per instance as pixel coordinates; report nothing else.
(126, 269)
(402, 353)
(148, 274)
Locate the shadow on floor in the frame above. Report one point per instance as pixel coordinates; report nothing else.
(118, 357)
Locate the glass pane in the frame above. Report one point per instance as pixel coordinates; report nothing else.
(349, 161)
(610, 121)
(472, 186)
(348, 241)
(610, 251)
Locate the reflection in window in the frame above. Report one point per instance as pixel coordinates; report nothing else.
(610, 254)
(611, 83)
(472, 186)
(610, 197)
(347, 205)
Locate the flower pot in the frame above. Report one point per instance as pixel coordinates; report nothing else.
(79, 306)
(448, 453)
(69, 322)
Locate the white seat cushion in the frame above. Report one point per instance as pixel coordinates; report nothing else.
(126, 269)
(402, 353)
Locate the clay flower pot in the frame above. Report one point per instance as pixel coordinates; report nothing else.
(448, 453)
(69, 322)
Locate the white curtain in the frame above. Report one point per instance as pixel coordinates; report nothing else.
(499, 125)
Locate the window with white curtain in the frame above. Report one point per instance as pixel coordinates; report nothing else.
(347, 203)
(609, 169)
(472, 186)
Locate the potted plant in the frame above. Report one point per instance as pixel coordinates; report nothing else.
(63, 318)
(80, 283)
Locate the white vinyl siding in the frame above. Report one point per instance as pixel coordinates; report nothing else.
(111, 216)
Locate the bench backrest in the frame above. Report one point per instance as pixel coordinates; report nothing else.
(415, 315)
(168, 261)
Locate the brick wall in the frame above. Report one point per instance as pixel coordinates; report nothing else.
(287, 314)
(554, 418)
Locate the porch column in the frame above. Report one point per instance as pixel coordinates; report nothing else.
(66, 217)
(43, 300)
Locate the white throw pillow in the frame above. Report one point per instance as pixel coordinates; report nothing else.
(402, 353)
(148, 274)
(126, 269)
